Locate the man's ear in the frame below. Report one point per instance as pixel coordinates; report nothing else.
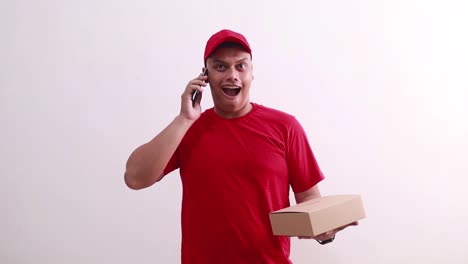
(253, 77)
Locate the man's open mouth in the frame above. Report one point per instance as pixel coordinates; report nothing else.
(231, 90)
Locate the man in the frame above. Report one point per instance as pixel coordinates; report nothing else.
(237, 163)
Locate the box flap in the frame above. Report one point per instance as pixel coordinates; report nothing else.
(317, 204)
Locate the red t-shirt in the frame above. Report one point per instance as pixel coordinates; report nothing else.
(234, 172)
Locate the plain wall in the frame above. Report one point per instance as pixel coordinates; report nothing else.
(379, 86)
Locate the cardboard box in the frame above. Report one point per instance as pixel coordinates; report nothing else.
(317, 216)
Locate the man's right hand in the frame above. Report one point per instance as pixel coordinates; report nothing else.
(190, 110)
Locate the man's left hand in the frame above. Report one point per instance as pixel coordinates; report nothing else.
(330, 234)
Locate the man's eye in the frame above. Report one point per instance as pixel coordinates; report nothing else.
(242, 66)
(219, 67)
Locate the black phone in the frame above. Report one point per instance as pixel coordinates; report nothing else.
(196, 94)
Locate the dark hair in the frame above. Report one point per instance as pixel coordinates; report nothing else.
(230, 45)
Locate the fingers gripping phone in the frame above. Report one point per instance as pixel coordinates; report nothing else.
(196, 93)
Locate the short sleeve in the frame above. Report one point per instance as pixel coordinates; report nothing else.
(303, 169)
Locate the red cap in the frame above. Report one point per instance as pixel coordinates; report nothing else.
(223, 36)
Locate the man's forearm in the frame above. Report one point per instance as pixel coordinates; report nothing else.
(146, 164)
(310, 194)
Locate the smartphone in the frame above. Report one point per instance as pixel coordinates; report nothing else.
(196, 94)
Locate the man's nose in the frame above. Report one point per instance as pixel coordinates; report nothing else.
(233, 75)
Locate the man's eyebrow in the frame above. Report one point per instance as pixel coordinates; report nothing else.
(215, 60)
(243, 59)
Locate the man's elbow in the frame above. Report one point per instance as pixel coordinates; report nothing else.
(133, 182)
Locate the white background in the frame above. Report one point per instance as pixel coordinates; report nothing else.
(379, 86)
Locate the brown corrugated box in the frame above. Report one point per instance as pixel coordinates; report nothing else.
(317, 216)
